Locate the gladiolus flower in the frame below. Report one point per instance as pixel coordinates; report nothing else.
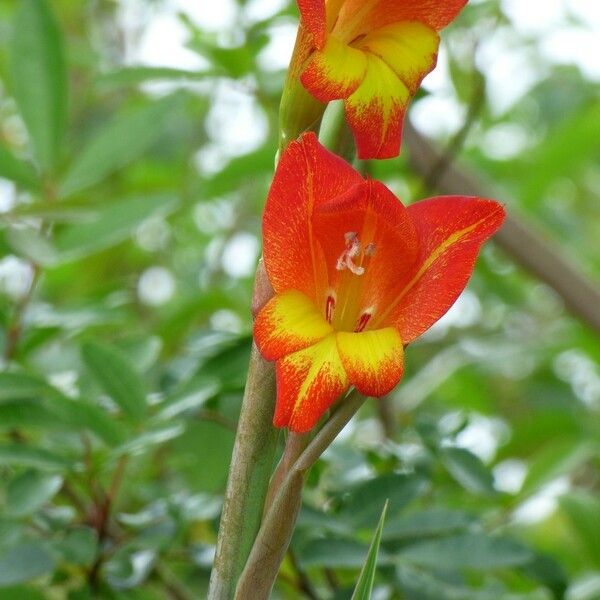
(373, 54)
(357, 276)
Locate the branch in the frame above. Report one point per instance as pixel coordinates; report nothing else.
(101, 520)
(15, 328)
(522, 241)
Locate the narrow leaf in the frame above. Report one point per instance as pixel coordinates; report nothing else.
(122, 140)
(79, 546)
(47, 407)
(473, 551)
(334, 553)
(117, 377)
(398, 489)
(111, 224)
(427, 523)
(39, 78)
(468, 470)
(29, 456)
(106, 226)
(22, 386)
(142, 74)
(16, 170)
(364, 586)
(583, 509)
(29, 491)
(24, 562)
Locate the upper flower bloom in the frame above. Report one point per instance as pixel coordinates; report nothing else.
(373, 54)
(356, 276)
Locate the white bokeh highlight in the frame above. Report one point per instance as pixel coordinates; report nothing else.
(156, 286)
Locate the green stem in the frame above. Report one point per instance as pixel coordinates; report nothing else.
(335, 134)
(294, 446)
(275, 533)
(251, 467)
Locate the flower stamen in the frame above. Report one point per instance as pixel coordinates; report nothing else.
(346, 259)
(329, 307)
(363, 321)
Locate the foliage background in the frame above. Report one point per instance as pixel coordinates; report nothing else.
(136, 148)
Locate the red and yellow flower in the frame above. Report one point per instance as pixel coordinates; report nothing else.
(356, 276)
(373, 54)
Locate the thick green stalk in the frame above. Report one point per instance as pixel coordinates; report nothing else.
(275, 533)
(250, 469)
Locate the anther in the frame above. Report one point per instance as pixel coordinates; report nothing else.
(352, 251)
(370, 249)
(329, 308)
(363, 320)
(350, 237)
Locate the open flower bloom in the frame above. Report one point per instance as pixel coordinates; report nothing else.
(356, 275)
(373, 54)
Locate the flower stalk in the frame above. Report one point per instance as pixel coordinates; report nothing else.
(250, 469)
(275, 533)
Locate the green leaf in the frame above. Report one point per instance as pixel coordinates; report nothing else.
(29, 491)
(332, 553)
(117, 377)
(427, 523)
(24, 562)
(417, 583)
(39, 78)
(583, 510)
(65, 211)
(580, 133)
(364, 586)
(142, 74)
(23, 386)
(472, 550)
(29, 243)
(16, 170)
(49, 408)
(361, 508)
(555, 459)
(109, 225)
(24, 593)
(27, 413)
(230, 366)
(112, 224)
(214, 444)
(30, 456)
(119, 142)
(190, 399)
(547, 570)
(149, 439)
(82, 414)
(79, 546)
(468, 470)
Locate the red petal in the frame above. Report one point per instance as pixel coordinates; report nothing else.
(373, 360)
(307, 176)
(308, 382)
(451, 230)
(437, 14)
(314, 19)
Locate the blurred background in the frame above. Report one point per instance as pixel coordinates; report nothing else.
(137, 143)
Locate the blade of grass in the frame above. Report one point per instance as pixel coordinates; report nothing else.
(364, 586)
